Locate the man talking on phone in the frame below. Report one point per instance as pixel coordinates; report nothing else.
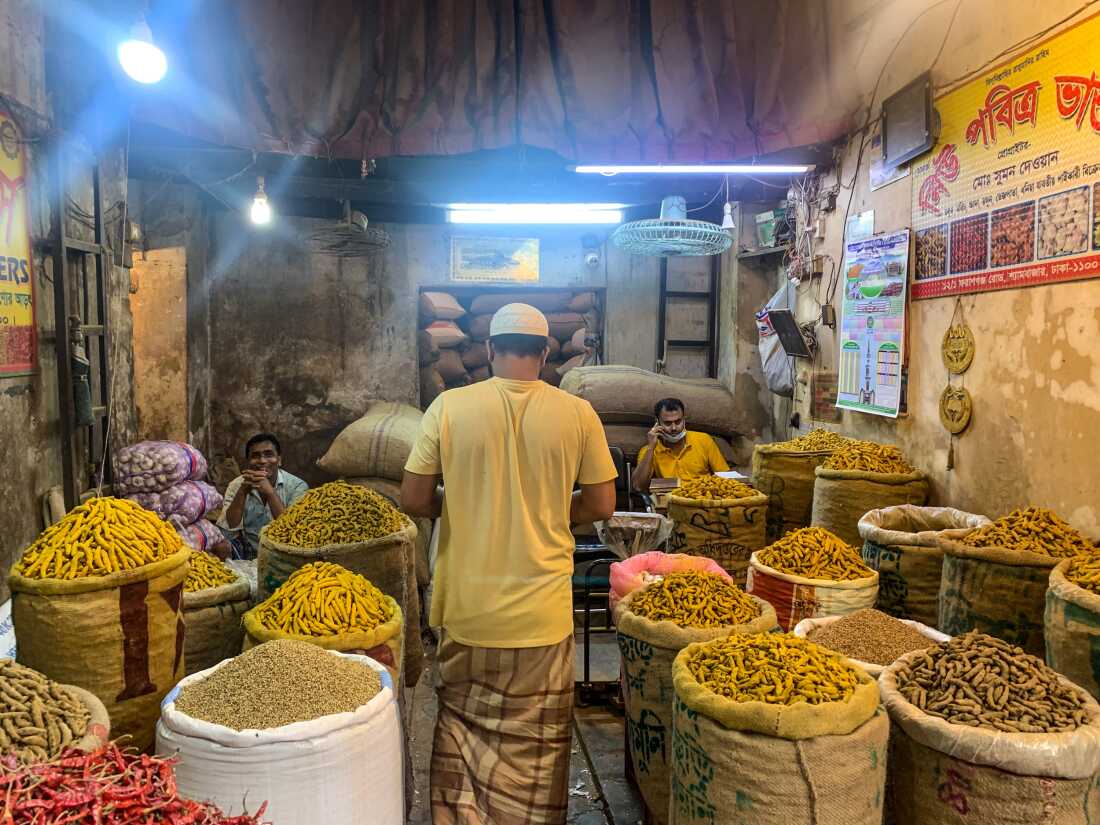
(674, 451)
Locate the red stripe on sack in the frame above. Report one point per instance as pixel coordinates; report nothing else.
(776, 592)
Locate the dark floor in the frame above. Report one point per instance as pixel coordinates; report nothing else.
(598, 793)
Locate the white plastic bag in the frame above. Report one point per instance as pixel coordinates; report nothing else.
(346, 768)
(7, 632)
(628, 534)
(778, 372)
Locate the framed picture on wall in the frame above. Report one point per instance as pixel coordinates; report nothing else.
(495, 260)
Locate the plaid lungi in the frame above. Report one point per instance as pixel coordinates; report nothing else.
(503, 735)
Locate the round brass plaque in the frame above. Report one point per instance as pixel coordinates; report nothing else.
(955, 409)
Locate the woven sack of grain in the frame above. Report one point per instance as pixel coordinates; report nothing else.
(120, 637)
(796, 597)
(950, 774)
(564, 324)
(479, 328)
(377, 445)
(385, 561)
(427, 348)
(903, 544)
(582, 302)
(1071, 626)
(450, 366)
(770, 764)
(446, 334)
(440, 306)
(787, 478)
(727, 530)
(212, 621)
(543, 300)
(648, 649)
(843, 497)
(805, 628)
(996, 590)
(474, 356)
(626, 395)
(392, 491)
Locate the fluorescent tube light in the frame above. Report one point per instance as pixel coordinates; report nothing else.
(694, 169)
(535, 213)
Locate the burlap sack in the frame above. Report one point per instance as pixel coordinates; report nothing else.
(212, 619)
(392, 491)
(945, 774)
(1071, 626)
(385, 561)
(564, 324)
(843, 497)
(787, 478)
(796, 597)
(98, 731)
(440, 306)
(626, 395)
(383, 644)
(378, 444)
(450, 366)
(996, 590)
(727, 530)
(582, 302)
(903, 544)
(475, 356)
(446, 334)
(120, 637)
(571, 364)
(479, 328)
(427, 348)
(776, 764)
(542, 300)
(648, 649)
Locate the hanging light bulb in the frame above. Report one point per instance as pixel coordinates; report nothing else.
(261, 209)
(140, 58)
(727, 210)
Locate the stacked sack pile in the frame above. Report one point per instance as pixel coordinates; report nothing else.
(623, 398)
(452, 336)
(166, 477)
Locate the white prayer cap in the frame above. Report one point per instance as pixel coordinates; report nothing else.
(518, 319)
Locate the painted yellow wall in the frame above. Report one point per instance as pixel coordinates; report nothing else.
(1036, 378)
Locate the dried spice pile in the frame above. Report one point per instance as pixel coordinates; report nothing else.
(38, 717)
(703, 488)
(868, 457)
(694, 599)
(1034, 529)
(336, 513)
(984, 682)
(870, 636)
(279, 683)
(812, 442)
(815, 553)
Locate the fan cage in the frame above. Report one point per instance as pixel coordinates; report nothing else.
(669, 238)
(348, 240)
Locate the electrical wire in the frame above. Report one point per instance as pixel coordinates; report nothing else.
(708, 203)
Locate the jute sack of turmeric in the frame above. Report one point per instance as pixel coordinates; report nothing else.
(362, 532)
(775, 730)
(97, 603)
(995, 579)
(1071, 621)
(704, 606)
(860, 477)
(784, 471)
(727, 530)
(215, 597)
(969, 773)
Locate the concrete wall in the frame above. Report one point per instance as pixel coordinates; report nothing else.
(300, 342)
(1036, 375)
(159, 301)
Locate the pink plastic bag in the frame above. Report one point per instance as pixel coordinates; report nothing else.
(152, 466)
(627, 576)
(202, 535)
(183, 503)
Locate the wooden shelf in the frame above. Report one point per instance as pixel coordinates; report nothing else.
(763, 253)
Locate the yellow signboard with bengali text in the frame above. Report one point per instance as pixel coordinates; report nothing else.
(18, 336)
(1009, 195)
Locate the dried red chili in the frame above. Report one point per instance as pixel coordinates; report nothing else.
(106, 787)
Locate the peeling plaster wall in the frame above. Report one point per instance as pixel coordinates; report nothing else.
(300, 342)
(1035, 380)
(160, 342)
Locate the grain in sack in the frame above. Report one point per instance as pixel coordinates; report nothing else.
(870, 639)
(995, 579)
(440, 306)
(1071, 621)
(784, 471)
(97, 603)
(328, 767)
(811, 573)
(215, 597)
(376, 445)
(774, 730)
(903, 544)
(727, 530)
(1010, 743)
(654, 624)
(859, 477)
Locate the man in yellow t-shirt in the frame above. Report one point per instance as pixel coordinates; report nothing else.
(674, 451)
(509, 452)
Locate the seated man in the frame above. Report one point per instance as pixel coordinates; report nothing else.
(674, 451)
(258, 495)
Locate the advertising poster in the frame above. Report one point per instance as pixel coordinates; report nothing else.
(18, 336)
(872, 325)
(1008, 196)
(495, 260)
